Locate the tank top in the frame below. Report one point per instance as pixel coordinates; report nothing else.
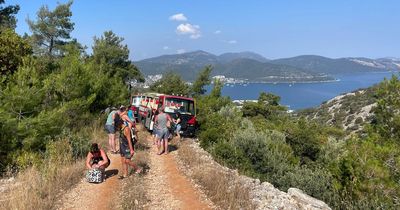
(122, 138)
(96, 157)
(109, 118)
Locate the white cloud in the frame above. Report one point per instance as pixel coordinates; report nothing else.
(178, 17)
(217, 32)
(232, 42)
(195, 36)
(165, 48)
(189, 29)
(180, 51)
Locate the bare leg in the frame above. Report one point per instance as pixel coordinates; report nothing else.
(130, 163)
(111, 142)
(166, 145)
(159, 146)
(124, 167)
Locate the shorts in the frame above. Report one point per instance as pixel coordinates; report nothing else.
(162, 134)
(110, 129)
(155, 132)
(178, 128)
(124, 150)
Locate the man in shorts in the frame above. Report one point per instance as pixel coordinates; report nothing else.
(163, 122)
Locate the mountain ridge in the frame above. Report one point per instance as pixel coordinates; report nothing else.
(254, 67)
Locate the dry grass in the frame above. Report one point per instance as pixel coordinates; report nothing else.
(221, 186)
(42, 185)
(35, 189)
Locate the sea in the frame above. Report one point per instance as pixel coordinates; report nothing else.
(306, 95)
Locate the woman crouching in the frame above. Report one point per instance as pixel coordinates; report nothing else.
(97, 158)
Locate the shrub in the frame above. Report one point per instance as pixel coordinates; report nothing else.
(317, 182)
(270, 157)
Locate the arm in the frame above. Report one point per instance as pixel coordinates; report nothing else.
(88, 159)
(126, 118)
(104, 156)
(127, 133)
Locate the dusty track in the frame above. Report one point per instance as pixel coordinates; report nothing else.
(166, 187)
(95, 196)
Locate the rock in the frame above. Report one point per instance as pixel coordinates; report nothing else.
(307, 200)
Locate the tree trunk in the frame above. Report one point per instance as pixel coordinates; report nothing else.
(51, 45)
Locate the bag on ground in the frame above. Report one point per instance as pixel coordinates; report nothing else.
(95, 175)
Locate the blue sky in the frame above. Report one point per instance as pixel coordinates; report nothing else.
(274, 29)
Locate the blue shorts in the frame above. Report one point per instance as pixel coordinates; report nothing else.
(178, 128)
(110, 129)
(155, 132)
(162, 134)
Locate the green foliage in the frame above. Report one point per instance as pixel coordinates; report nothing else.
(202, 80)
(266, 106)
(7, 16)
(209, 104)
(368, 173)
(12, 50)
(306, 139)
(108, 50)
(387, 111)
(269, 155)
(317, 182)
(171, 83)
(52, 29)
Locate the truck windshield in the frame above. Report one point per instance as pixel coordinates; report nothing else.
(136, 101)
(183, 106)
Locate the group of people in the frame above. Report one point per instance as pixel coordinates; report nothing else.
(121, 120)
(163, 125)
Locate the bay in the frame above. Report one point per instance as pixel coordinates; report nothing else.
(305, 95)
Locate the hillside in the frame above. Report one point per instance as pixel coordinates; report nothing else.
(244, 65)
(350, 111)
(341, 65)
(256, 68)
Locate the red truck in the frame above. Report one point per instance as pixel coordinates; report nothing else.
(171, 104)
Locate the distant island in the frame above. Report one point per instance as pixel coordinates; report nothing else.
(250, 67)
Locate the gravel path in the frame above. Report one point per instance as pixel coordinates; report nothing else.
(166, 187)
(95, 196)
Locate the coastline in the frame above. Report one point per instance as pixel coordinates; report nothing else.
(282, 82)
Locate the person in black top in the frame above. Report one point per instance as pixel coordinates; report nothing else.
(97, 158)
(126, 148)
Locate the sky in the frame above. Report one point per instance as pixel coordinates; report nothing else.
(272, 28)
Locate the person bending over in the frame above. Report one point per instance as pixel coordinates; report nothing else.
(97, 158)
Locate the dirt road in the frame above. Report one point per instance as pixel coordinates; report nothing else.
(165, 186)
(95, 196)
